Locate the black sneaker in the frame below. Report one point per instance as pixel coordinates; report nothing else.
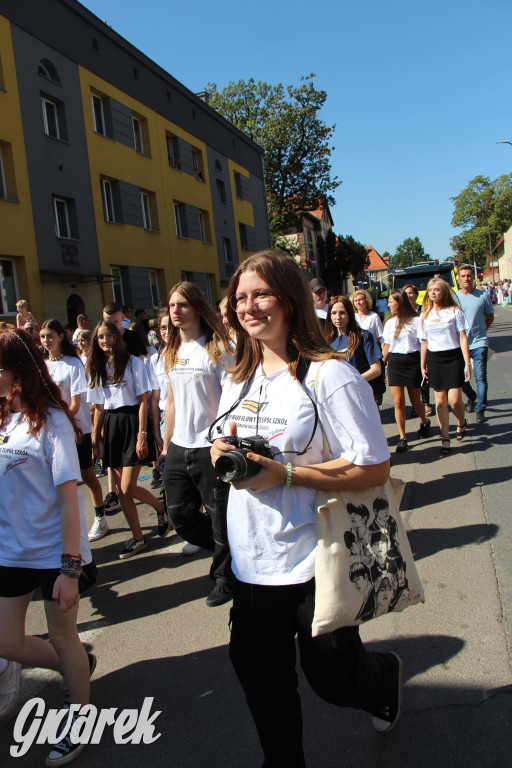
(387, 717)
(101, 472)
(424, 430)
(111, 503)
(164, 524)
(65, 751)
(221, 593)
(480, 417)
(157, 480)
(132, 547)
(470, 406)
(402, 446)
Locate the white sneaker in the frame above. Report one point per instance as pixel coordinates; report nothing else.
(99, 528)
(190, 549)
(9, 687)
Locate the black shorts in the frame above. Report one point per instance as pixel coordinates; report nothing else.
(15, 582)
(84, 449)
(120, 432)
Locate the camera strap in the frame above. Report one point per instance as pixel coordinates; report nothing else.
(301, 368)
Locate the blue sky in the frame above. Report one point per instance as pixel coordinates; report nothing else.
(419, 92)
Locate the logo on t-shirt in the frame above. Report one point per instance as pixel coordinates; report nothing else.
(253, 406)
(182, 361)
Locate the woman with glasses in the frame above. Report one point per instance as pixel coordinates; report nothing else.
(285, 377)
(118, 389)
(195, 360)
(44, 536)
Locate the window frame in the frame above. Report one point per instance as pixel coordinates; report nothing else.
(155, 286)
(202, 226)
(118, 281)
(221, 193)
(137, 134)
(44, 101)
(107, 196)
(3, 183)
(3, 307)
(180, 228)
(56, 200)
(173, 156)
(99, 99)
(227, 250)
(146, 210)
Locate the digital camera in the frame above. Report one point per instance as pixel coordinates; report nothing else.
(235, 465)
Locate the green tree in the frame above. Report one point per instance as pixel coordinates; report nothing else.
(408, 253)
(482, 209)
(285, 122)
(342, 256)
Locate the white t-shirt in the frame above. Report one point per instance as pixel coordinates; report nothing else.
(31, 468)
(69, 375)
(134, 383)
(272, 533)
(322, 312)
(75, 335)
(156, 364)
(196, 384)
(407, 341)
(372, 323)
(441, 329)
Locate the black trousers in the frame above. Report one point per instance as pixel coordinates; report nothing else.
(264, 622)
(191, 482)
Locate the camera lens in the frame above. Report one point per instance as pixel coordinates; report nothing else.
(231, 467)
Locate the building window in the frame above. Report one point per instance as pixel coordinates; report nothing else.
(50, 118)
(3, 186)
(137, 135)
(8, 287)
(109, 211)
(46, 69)
(180, 220)
(173, 151)
(146, 210)
(238, 185)
(98, 115)
(218, 166)
(117, 284)
(243, 237)
(95, 45)
(197, 164)
(203, 226)
(226, 250)
(155, 292)
(62, 211)
(221, 192)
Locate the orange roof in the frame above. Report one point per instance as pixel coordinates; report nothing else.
(376, 261)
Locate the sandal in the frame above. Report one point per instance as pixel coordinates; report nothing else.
(461, 430)
(445, 447)
(428, 409)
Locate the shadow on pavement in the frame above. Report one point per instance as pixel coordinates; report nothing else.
(427, 541)
(205, 721)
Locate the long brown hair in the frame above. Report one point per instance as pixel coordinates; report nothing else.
(212, 327)
(66, 347)
(96, 367)
(404, 314)
(288, 281)
(448, 298)
(32, 382)
(353, 329)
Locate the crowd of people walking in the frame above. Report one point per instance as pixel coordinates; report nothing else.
(196, 396)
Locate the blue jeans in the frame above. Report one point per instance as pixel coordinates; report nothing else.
(191, 482)
(479, 356)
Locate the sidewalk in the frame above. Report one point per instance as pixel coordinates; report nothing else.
(154, 636)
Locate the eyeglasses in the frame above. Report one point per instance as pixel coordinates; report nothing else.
(260, 301)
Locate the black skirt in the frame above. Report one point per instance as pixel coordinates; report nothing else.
(404, 370)
(120, 432)
(445, 369)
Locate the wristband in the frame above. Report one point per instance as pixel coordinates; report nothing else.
(71, 563)
(143, 433)
(70, 574)
(288, 475)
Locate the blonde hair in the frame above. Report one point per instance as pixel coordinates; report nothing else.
(448, 298)
(21, 304)
(367, 296)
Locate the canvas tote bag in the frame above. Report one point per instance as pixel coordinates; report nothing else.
(364, 566)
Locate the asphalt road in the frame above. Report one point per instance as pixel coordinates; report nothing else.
(154, 636)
